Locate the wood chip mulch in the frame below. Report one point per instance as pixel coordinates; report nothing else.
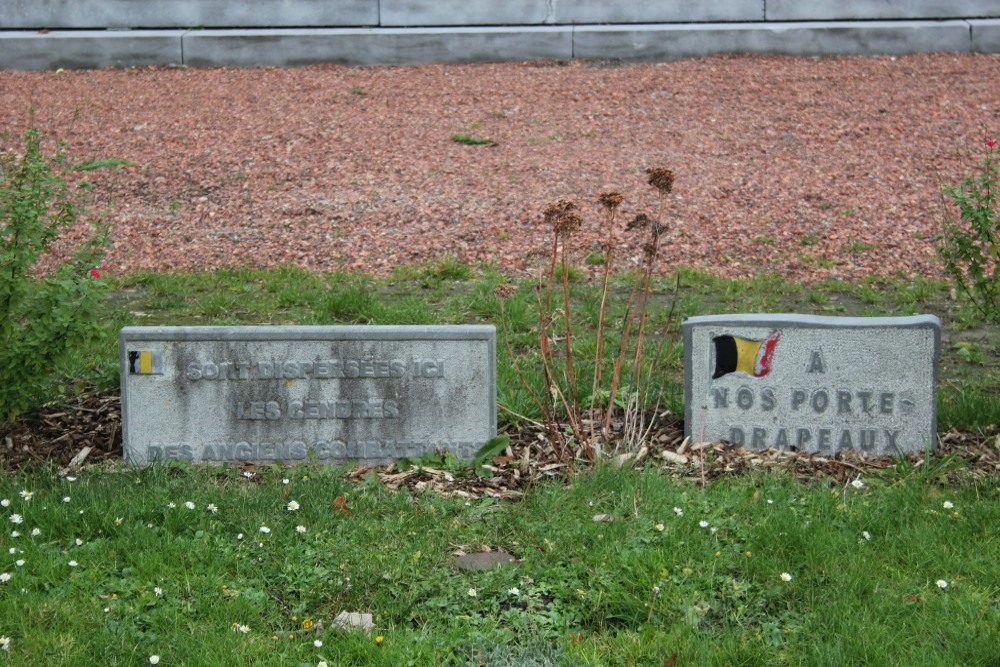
(87, 431)
(811, 168)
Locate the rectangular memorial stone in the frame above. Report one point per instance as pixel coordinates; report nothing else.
(812, 383)
(330, 394)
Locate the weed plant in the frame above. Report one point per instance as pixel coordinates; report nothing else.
(970, 244)
(579, 422)
(44, 318)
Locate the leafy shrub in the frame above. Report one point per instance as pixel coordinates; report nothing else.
(970, 244)
(43, 316)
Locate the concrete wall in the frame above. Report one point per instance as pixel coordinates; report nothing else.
(108, 33)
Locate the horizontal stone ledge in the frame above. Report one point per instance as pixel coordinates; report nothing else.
(401, 46)
(847, 10)
(185, 14)
(538, 12)
(671, 41)
(375, 46)
(985, 36)
(89, 49)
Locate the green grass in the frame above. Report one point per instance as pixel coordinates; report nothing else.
(471, 140)
(153, 577)
(591, 593)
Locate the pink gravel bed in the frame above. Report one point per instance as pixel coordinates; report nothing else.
(809, 167)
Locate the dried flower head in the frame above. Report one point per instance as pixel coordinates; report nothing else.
(570, 221)
(662, 179)
(562, 216)
(611, 199)
(640, 221)
(504, 291)
(555, 209)
(649, 250)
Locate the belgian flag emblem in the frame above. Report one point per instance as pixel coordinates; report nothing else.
(740, 355)
(144, 362)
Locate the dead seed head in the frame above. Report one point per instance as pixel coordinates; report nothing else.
(611, 199)
(639, 222)
(570, 221)
(649, 250)
(562, 216)
(662, 179)
(556, 209)
(504, 291)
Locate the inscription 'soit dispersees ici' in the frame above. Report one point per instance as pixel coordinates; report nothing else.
(329, 394)
(806, 383)
(322, 369)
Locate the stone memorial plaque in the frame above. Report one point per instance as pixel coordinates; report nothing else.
(812, 383)
(329, 394)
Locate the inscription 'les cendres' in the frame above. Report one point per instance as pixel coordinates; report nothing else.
(339, 409)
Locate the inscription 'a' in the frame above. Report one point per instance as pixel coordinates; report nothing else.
(816, 363)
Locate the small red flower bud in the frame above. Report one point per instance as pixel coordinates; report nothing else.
(990, 143)
(104, 267)
(95, 273)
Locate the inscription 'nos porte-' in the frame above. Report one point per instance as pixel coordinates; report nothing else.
(807, 383)
(330, 394)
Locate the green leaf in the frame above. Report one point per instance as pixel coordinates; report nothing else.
(93, 165)
(491, 449)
